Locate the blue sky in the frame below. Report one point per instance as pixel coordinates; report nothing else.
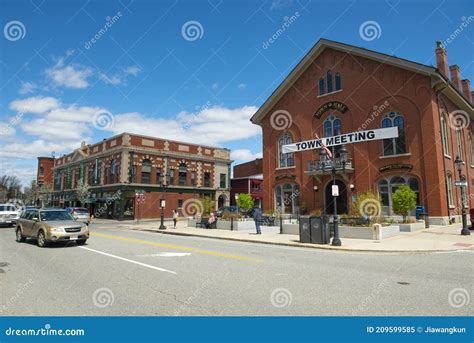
(191, 70)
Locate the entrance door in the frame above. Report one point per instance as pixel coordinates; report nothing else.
(221, 201)
(341, 199)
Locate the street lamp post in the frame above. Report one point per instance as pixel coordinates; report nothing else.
(336, 241)
(460, 165)
(164, 186)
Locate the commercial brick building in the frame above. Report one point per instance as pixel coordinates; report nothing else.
(338, 88)
(118, 168)
(248, 178)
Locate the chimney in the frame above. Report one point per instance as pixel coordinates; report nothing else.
(441, 58)
(455, 76)
(466, 89)
(472, 97)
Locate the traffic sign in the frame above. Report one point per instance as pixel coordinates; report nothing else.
(335, 190)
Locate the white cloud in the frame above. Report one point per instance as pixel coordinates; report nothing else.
(132, 70)
(20, 150)
(27, 87)
(70, 76)
(37, 104)
(241, 86)
(244, 155)
(112, 80)
(215, 85)
(54, 130)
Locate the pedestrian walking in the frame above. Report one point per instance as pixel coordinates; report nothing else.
(257, 216)
(175, 218)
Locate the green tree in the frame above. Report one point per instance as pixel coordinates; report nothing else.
(208, 206)
(244, 201)
(404, 201)
(82, 192)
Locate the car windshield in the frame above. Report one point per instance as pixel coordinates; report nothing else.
(7, 208)
(55, 215)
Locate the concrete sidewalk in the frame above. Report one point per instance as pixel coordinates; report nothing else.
(436, 238)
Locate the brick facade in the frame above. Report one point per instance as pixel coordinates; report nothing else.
(372, 87)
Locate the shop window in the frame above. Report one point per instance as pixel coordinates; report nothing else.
(394, 146)
(286, 160)
(182, 174)
(146, 171)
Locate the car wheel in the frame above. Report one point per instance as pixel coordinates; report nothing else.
(19, 236)
(81, 241)
(41, 241)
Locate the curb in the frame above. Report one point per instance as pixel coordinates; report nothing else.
(322, 247)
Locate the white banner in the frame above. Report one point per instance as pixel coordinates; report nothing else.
(347, 138)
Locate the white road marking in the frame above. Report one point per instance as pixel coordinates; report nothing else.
(167, 254)
(131, 261)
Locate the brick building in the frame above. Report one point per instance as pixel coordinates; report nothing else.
(248, 178)
(338, 88)
(118, 168)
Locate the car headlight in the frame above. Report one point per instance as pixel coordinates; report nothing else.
(85, 227)
(55, 229)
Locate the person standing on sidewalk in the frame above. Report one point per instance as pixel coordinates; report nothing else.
(257, 216)
(175, 218)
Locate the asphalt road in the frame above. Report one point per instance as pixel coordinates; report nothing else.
(123, 272)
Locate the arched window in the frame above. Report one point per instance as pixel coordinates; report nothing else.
(449, 189)
(182, 174)
(112, 172)
(333, 127)
(286, 160)
(394, 146)
(146, 171)
(388, 186)
(329, 80)
(459, 143)
(338, 81)
(471, 149)
(444, 135)
(321, 86)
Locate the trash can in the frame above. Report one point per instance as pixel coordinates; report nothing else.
(319, 230)
(419, 210)
(305, 232)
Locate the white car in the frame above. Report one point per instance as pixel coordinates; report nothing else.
(9, 214)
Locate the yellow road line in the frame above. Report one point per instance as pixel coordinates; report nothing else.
(177, 247)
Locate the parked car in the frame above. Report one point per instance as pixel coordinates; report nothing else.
(80, 214)
(9, 214)
(50, 225)
(230, 209)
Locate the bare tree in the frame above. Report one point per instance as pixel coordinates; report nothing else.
(45, 193)
(82, 192)
(10, 186)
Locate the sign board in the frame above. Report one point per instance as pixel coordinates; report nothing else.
(332, 105)
(162, 203)
(335, 190)
(347, 138)
(462, 183)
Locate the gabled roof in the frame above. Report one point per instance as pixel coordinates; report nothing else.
(322, 44)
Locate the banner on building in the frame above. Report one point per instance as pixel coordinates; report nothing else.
(347, 138)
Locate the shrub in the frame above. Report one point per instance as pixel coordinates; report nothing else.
(228, 215)
(367, 205)
(404, 201)
(244, 201)
(208, 206)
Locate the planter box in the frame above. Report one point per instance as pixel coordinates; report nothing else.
(419, 225)
(359, 232)
(248, 224)
(291, 229)
(382, 232)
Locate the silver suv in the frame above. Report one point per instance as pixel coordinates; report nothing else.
(50, 225)
(9, 214)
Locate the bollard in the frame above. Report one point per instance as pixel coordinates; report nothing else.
(231, 223)
(377, 233)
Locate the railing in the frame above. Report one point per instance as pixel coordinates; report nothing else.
(326, 165)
